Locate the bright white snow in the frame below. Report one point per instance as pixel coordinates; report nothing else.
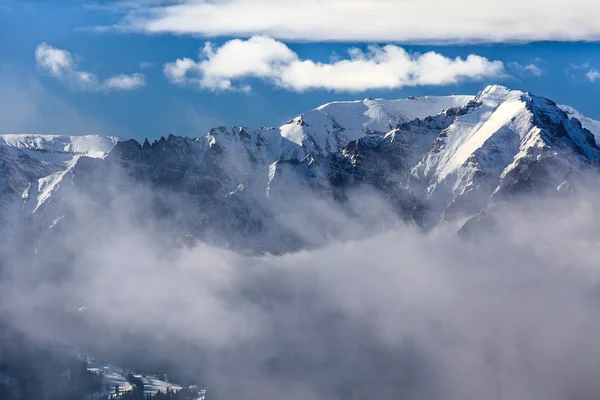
(499, 107)
(90, 145)
(330, 127)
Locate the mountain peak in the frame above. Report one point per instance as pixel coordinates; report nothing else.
(493, 95)
(496, 89)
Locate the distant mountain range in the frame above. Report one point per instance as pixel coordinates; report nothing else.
(432, 159)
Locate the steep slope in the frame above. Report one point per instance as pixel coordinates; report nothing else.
(40, 161)
(506, 142)
(44, 146)
(588, 123)
(501, 143)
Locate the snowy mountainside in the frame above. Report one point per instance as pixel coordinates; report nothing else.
(502, 142)
(330, 127)
(228, 160)
(471, 155)
(431, 158)
(510, 142)
(45, 145)
(115, 379)
(588, 123)
(38, 162)
(54, 369)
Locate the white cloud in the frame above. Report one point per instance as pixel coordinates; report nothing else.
(371, 20)
(584, 65)
(592, 75)
(59, 63)
(573, 69)
(582, 71)
(125, 82)
(259, 56)
(386, 67)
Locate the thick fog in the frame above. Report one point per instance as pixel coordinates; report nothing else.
(372, 309)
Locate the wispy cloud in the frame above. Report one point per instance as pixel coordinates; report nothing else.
(59, 63)
(387, 67)
(533, 69)
(530, 69)
(368, 20)
(592, 75)
(581, 71)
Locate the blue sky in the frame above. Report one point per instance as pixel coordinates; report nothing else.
(34, 98)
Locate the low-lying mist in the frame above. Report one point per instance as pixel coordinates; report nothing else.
(372, 309)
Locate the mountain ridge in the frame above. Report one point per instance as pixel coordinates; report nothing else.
(432, 159)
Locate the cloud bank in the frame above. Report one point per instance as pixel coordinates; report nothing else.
(371, 20)
(59, 63)
(383, 315)
(388, 67)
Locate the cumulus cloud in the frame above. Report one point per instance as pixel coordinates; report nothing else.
(55, 61)
(387, 67)
(370, 20)
(60, 64)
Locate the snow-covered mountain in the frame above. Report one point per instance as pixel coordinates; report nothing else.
(506, 141)
(40, 161)
(432, 158)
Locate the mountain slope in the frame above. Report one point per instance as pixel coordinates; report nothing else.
(429, 158)
(588, 123)
(44, 145)
(40, 161)
(463, 160)
(494, 144)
